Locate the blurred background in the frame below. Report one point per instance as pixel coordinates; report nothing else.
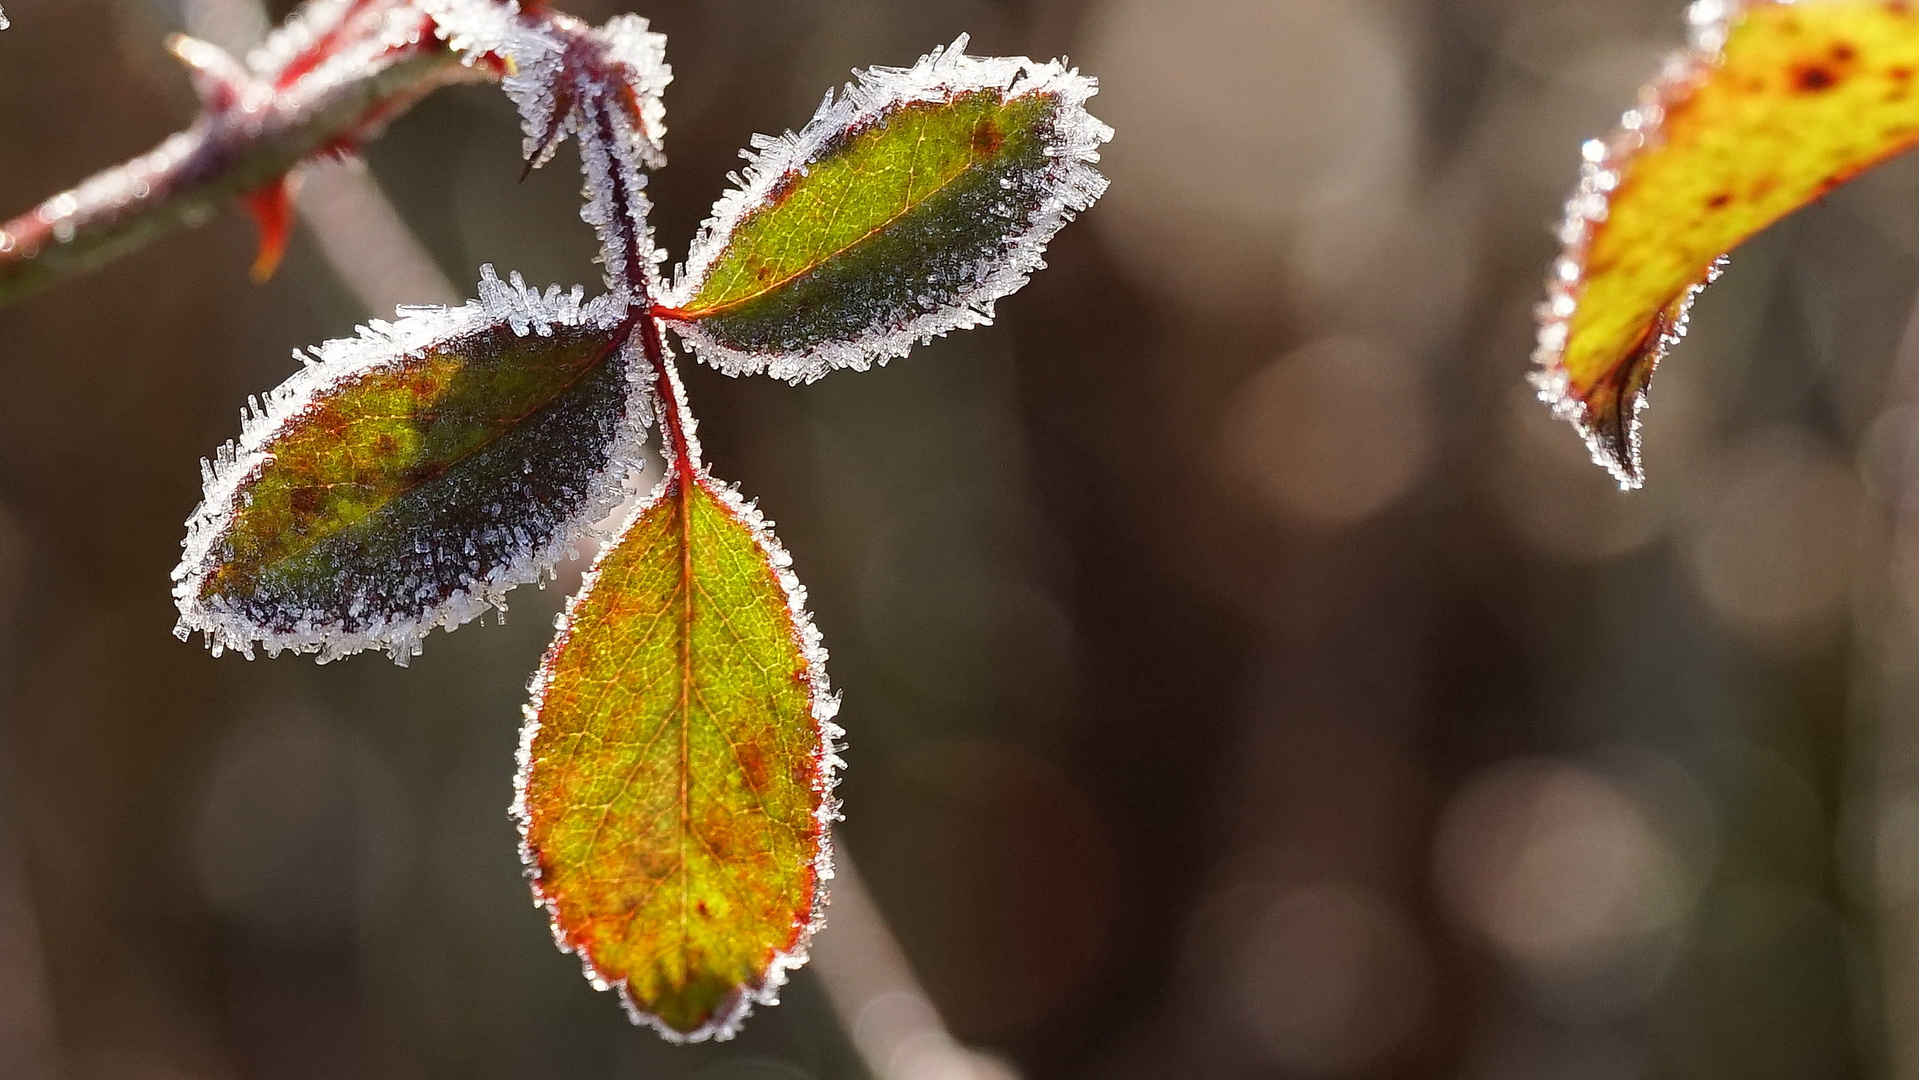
(1244, 676)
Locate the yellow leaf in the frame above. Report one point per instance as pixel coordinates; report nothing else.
(1776, 104)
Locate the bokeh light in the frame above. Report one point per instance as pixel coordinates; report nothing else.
(1245, 677)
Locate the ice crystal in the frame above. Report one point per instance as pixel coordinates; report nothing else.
(558, 66)
(825, 707)
(962, 287)
(468, 549)
(1603, 167)
(601, 86)
(330, 43)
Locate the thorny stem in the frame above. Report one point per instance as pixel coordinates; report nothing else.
(226, 153)
(626, 261)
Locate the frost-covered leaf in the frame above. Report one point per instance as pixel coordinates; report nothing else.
(901, 211)
(410, 476)
(601, 85)
(1775, 104)
(677, 766)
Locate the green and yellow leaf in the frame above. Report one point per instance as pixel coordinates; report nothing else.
(677, 766)
(1776, 104)
(408, 477)
(902, 211)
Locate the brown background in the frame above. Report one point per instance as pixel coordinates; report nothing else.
(1244, 677)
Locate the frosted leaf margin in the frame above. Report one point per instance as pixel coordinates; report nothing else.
(559, 77)
(1075, 185)
(1603, 166)
(825, 706)
(511, 306)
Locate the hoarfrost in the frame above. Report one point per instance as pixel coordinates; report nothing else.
(1070, 181)
(602, 86)
(559, 66)
(728, 1018)
(522, 532)
(327, 43)
(1604, 166)
(615, 204)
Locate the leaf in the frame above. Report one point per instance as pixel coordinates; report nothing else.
(409, 477)
(1776, 104)
(677, 766)
(901, 211)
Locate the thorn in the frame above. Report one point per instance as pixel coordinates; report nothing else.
(272, 210)
(219, 80)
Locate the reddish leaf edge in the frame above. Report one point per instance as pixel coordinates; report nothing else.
(684, 467)
(1611, 428)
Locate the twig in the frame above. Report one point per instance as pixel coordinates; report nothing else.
(366, 241)
(249, 135)
(893, 1023)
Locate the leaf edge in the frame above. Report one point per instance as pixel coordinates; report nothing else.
(874, 91)
(509, 305)
(825, 705)
(1613, 441)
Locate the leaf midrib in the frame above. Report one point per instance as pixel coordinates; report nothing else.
(972, 161)
(512, 423)
(686, 688)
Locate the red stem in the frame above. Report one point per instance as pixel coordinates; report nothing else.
(626, 259)
(330, 41)
(672, 408)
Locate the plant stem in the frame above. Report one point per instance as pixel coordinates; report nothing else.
(624, 249)
(880, 1002)
(194, 173)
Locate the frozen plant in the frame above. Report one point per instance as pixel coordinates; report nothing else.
(678, 757)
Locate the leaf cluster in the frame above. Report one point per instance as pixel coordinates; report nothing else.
(679, 753)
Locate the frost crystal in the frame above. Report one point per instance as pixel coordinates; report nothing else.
(617, 207)
(602, 86)
(825, 706)
(559, 67)
(454, 553)
(961, 291)
(328, 43)
(1603, 167)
